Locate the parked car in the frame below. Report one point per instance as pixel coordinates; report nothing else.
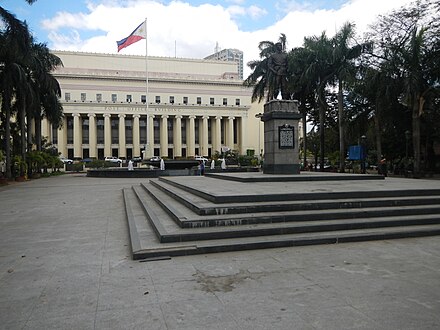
(113, 160)
(155, 159)
(203, 159)
(88, 160)
(136, 159)
(66, 160)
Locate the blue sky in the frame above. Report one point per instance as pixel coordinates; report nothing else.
(190, 28)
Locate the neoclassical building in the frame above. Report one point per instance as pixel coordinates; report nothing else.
(193, 107)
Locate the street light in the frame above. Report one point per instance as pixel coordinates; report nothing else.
(259, 116)
(407, 138)
(363, 154)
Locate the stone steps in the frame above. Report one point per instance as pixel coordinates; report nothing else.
(200, 206)
(169, 220)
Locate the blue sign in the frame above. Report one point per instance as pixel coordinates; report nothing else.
(356, 152)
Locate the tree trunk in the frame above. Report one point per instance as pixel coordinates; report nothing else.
(377, 133)
(304, 128)
(7, 108)
(37, 122)
(22, 135)
(416, 136)
(341, 129)
(322, 109)
(29, 140)
(321, 136)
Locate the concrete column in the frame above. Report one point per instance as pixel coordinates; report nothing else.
(77, 136)
(62, 138)
(177, 138)
(217, 139)
(45, 129)
(136, 136)
(241, 136)
(122, 146)
(107, 135)
(191, 138)
(93, 151)
(164, 136)
(230, 133)
(204, 140)
(150, 137)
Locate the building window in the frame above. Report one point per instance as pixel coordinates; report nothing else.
(69, 121)
(235, 131)
(183, 128)
(225, 101)
(209, 132)
(157, 99)
(114, 97)
(83, 97)
(237, 101)
(85, 130)
(143, 129)
(98, 97)
(211, 101)
(128, 130)
(172, 99)
(185, 100)
(170, 124)
(156, 126)
(115, 130)
(129, 98)
(143, 98)
(54, 135)
(199, 100)
(67, 97)
(196, 131)
(100, 130)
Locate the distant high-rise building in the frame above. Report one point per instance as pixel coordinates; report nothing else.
(229, 55)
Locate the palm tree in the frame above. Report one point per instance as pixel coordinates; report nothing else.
(297, 60)
(317, 74)
(343, 58)
(14, 41)
(46, 89)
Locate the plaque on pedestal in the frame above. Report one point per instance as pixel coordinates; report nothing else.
(281, 119)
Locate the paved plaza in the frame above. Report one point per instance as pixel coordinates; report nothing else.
(64, 264)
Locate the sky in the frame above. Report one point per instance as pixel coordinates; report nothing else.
(190, 28)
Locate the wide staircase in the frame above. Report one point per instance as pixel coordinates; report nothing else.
(191, 215)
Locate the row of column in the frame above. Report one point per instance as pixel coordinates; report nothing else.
(177, 132)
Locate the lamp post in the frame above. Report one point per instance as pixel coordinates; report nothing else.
(407, 138)
(259, 115)
(363, 154)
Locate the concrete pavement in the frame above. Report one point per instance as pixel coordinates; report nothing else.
(64, 265)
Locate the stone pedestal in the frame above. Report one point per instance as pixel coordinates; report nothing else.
(281, 148)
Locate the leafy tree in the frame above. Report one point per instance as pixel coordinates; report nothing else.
(344, 55)
(407, 48)
(317, 74)
(14, 41)
(27, 87)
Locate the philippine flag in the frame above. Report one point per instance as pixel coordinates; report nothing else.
(138, 34)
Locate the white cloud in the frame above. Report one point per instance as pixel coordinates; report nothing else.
(256, 12)
(192, 31)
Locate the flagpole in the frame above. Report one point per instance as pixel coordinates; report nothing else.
(147, 101)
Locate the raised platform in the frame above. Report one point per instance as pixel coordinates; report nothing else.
(303, 176)
(188, 215)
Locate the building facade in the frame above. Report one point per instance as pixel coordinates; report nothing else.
(229, 55)
(193, 107)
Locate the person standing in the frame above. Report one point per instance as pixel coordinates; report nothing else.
(130, 165)
(202, 167)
